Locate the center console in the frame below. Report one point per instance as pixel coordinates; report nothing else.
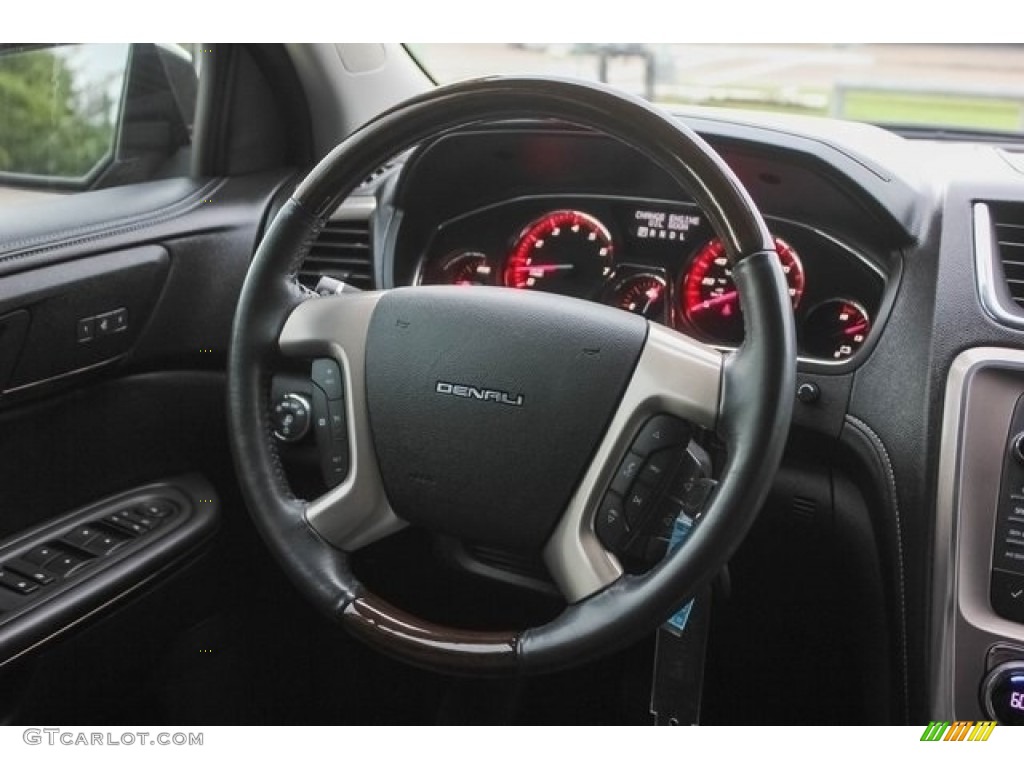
(978, 609)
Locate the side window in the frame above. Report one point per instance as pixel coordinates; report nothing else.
(79, 117)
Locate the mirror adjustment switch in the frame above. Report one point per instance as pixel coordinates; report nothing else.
(145, 521)
(119, 521)
(16, 582)
(158, 508)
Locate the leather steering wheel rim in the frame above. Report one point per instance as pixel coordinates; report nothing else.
(753, 385)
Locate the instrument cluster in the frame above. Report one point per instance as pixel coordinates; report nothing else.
(658, 259)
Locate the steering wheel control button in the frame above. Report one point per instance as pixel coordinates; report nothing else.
(658, 467)
(331, 431)
(1002, 693)
(290, 418)
(659, 433)
(611, 524)
(327, 376)
(629, 469)
(637, 502)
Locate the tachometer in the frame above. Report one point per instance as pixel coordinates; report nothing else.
(835, 329)
(568, 252)
(709, 299)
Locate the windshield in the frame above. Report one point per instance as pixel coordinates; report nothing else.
(949, 86)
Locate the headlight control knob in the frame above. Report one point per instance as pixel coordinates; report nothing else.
(291, 417)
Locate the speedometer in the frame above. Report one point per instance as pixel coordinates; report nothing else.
(568, 252)
(710, 301)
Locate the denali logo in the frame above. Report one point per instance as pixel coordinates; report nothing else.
(473, 393)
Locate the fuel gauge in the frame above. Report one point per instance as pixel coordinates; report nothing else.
(835, 330)
(643, 294)
(458, 268)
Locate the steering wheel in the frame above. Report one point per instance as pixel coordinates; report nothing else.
(542, 395)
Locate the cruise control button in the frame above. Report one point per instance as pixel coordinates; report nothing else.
(610, 523)
(627, 473)
(658, 466)
(16, 582)
(659, 433)
(327, 376)
(636, 504)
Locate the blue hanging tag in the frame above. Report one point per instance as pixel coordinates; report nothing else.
(681, 530)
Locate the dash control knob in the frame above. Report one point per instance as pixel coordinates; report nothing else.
(1002, 693)
(291, 417)
(1018, 447)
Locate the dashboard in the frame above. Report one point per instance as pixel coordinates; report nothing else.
(580, 215)
(658, 259)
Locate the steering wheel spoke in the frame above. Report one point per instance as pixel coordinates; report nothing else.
(676, 377)
(355, 512)
(504, 417)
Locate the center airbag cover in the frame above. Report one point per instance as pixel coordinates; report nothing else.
(486, 404)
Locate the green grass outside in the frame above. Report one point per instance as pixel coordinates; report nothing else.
(989, 114)
(911, 109)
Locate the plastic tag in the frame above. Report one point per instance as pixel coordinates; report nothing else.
(681, 530)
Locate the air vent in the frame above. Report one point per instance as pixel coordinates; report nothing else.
(343, 252)
(1008, 224)
(999, 260)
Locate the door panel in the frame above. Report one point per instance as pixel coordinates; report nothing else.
(138, 402)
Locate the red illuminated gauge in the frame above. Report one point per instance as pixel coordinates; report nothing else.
(709, 299)
(835, 329)
(642, 295)
(568, 252)
(459, 268)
